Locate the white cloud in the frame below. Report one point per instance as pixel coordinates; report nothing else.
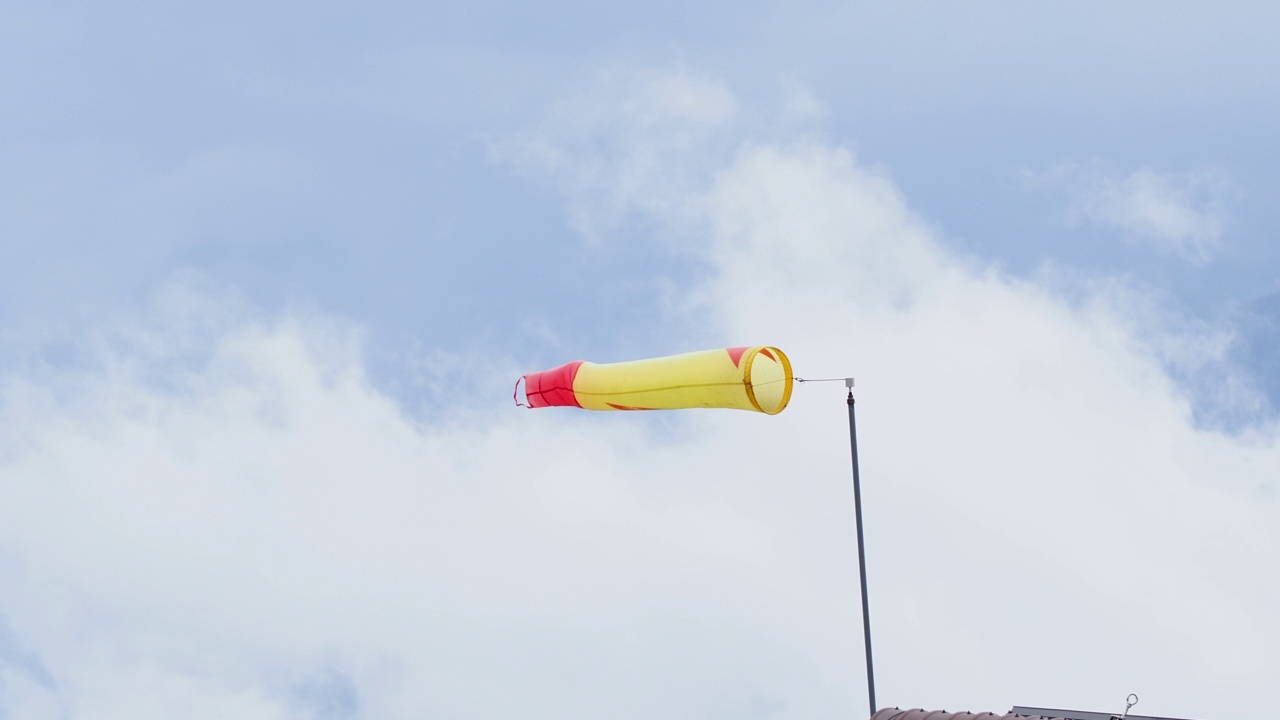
(798, 103)
(264, 535)
(1045, 493)
(635, 143)
(638, 146)
(1176, 214)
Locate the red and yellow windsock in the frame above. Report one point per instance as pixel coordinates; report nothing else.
(742, 378)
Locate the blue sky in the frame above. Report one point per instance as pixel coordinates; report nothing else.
(343, 157)
(267, 273)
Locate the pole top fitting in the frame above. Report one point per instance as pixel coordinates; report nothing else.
(848, 382)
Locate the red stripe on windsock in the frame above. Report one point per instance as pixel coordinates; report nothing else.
(735, 354)
(552, 388)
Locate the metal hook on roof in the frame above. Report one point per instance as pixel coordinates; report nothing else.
(1129, 702)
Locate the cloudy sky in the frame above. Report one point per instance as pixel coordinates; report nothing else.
(269, 271)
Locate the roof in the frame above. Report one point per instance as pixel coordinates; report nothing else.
(1079, 714)
(1015, 714)
(920, 714)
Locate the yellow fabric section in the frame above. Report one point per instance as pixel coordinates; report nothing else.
(704, 379)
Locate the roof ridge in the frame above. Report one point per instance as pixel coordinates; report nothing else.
(896, 713)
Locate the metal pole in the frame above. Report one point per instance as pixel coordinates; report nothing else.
(862, 555)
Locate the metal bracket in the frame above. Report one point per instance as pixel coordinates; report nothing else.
(1129, 702)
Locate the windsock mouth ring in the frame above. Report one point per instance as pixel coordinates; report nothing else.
(766, 373)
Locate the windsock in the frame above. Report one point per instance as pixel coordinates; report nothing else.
(742, 378)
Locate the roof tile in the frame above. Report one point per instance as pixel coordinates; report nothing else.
(921, 714)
